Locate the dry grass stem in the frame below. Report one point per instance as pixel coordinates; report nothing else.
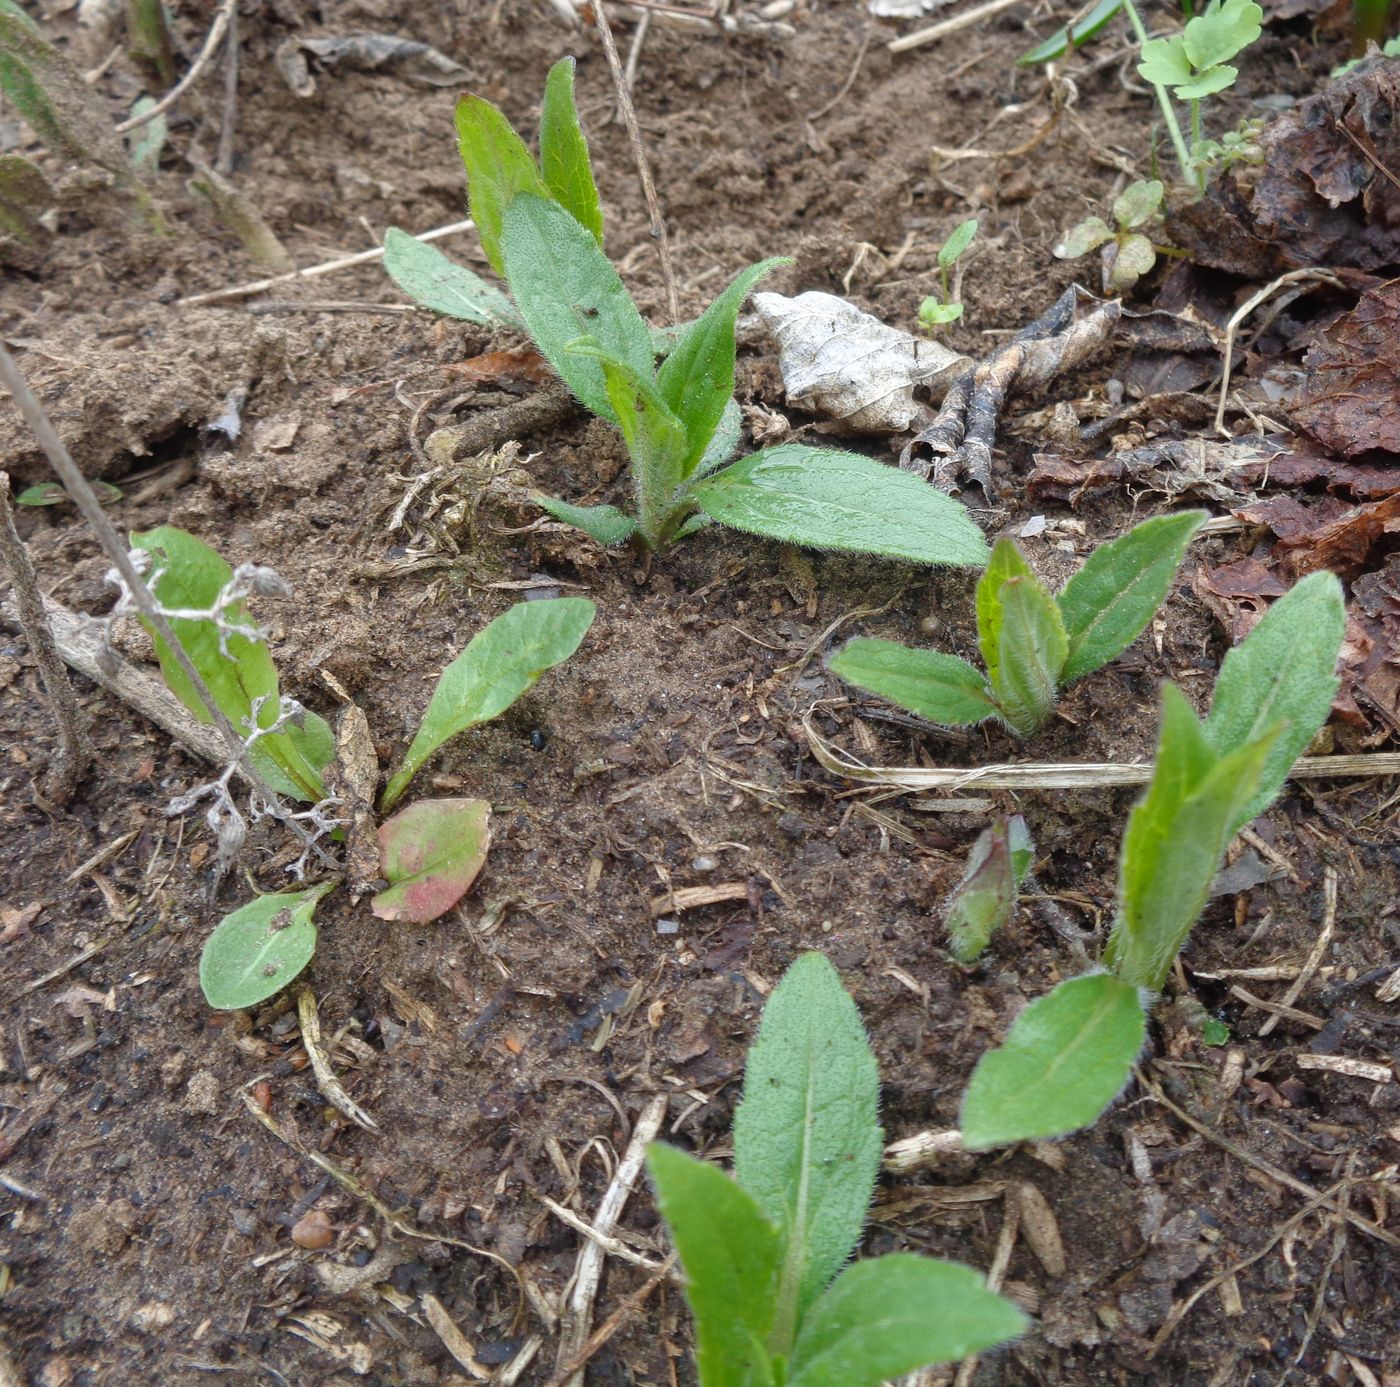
(217, 31)
(1318, 951)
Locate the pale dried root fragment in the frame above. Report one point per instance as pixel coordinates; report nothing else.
(326, 1080)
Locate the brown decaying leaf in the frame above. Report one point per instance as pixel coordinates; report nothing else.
(1323, 196)
(512, 366)
(1351, 399)
(354, 778)
(1327, 534)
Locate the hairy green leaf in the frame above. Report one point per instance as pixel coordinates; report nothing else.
(941, 688)
(1139, 202)
(1005, 563)
(951, 251)
(499, 168)
(500, 663)
(258, 949)
(729, 1252)
(1176, 835)
(833, 500)
(983, 900)
(1284, 671)
(428, 277)
(697, 379)
(606, 524)
(725, 442)
(1126, 261)
(1064, 1061)
(188, 575)
(806, 1140)
(1031, 648)
(564, 161)
(1108, 603)
(1058, 43)
(430, 853)
(565, 289)
(886, 1317)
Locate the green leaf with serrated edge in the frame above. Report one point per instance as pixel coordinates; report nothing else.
(1175, 838)
(1139, 202)
(1006, 562)
(565, 289)
(982, 901)
(1206, 83)
(1058, 42)
(259, 948)
(888, 1316)
(724, 443)
(1031, 648)
(806, 1140)
(697, 379)
(430, 853)
(729, 1253)
(1065, 1059)
(938, 687)
(1222, 30)
(188, 575)
(499, 168)
(951, 251)
(833, 500)
(1284, 671)
(501, 662)
(1108, 603)
(564, 162)
(606, 524)
(1164, 63)
(428, 277)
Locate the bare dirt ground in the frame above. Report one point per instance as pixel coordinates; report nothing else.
(506, 1052)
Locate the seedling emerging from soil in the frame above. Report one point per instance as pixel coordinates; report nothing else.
(983, 900)
(763, 1253)
(1127, 253)
(1033, 643)
(933, 311)
(1068, 1055)
(541, 227)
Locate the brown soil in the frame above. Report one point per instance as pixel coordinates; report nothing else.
(147, 1215)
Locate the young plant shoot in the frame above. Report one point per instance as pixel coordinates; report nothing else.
(541, 228)
(983, 900)
(766, 1255)
(1069, 1054)
(935, 312)
(1126, 252)
(1033, 643)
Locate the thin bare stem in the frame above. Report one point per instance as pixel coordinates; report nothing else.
(629, 116)
(228, 123)
(211, 44)
(74, 750)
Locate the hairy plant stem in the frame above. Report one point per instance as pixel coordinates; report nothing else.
(1185, 162)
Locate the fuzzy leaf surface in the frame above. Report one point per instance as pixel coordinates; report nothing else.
(834, 500)
(1283, 671)
(1139, 202)
(564, 161)
(606, 524)
(187, 574)
(1108, 603)
(499, 168)
(725, 441)
(1064, 1061)
(697, 379)
(1176, 835)
(256, 950)
(807, 1140)
(1005, 563)
(430, 853)
(428, 277)
(502, 661)
(952, 250)
(729, 1253)
(941, 688)
(565, 289)
(886, 1317)
(1031, 649)
(983, 900)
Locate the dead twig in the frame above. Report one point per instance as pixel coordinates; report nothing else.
(949, 26)
(1318, 952)
(996, 1273)
(850, 79)
(217, 30)
(326, 1078)
(74, 750)
(228, 123)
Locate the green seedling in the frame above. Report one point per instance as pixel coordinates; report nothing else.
(1070, 37)
(541, 228)
(983, 900)
(1369, 21)
(1033, 643)
(24, 194)
(148, 38)
(1127, 252)
(1069, 1054)
(933, 311)
(764, 1253)
(52, 494)
(1389, 49)
(429, 853)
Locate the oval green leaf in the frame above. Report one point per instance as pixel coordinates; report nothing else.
(259, 948)
(564, 161)
(428, 277)
(938, 687)
(430, 853)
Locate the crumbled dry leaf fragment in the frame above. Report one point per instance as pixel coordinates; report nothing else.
(353, 777)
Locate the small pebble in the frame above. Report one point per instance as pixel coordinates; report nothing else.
(313, 1230)
(668, 926)
(704, 863)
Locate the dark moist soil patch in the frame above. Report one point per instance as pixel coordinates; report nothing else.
(147, 1221)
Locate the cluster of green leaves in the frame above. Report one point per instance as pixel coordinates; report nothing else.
(764, 1253)
(935, 312)
(1127, 252)
(1069, 1054)
(1033, 643)
(541, 228)
(984, 898)
(431, 852)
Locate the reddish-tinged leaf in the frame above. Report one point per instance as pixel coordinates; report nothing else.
(430, 853)
(513, 366)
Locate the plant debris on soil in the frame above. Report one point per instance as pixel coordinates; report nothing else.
(187, 1199)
